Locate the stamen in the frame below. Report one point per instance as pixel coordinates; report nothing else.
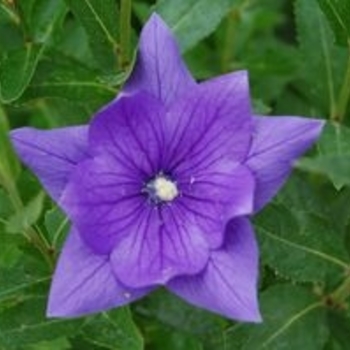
(162, 189)
(166, 190)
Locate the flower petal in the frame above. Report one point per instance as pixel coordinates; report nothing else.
(216, 195)
(51, 154)
(228, 285)
(277, 143)
(84, 283)
(103, 199)
(213, 121)
(159, 68)
(162, 243)
(131, 130)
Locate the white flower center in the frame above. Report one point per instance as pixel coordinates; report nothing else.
(164, 189)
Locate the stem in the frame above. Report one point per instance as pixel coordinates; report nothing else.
(227, 52)
(59, 232)
(34, 237)
(10, 12)
(125, 30)
(343, 96)
(230, 34)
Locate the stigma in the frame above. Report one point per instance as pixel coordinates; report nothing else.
(162, 189)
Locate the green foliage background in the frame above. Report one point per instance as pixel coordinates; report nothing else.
(60, 60)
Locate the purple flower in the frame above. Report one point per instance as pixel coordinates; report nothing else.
(159, 185)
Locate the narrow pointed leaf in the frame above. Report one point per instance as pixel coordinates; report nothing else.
(193, 20)
(16, 71)
(63, 77)
(338, 15)
(100, 21)
(30, 213)
(322, 63)
(40, 17)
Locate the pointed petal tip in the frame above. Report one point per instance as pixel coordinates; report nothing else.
(311, 131)
(22, 139)
(84, 283)
(228, 285)
(277, 143)
(52, 313)
(155, 17)
(316, 125)
(155, 22)
(248, 312)
(257, 319)
(252, 315)
(56, 309)
(158, 56)
(17, 134)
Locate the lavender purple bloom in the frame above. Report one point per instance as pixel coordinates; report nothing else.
(159, 185)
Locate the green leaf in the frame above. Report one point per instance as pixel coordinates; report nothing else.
(100, 20)
(338, 14)
(322, 63)
(335, 140)
(22, 274)
(176, 316)
(260, 107)
(63, 77)
(17, 67)
(26, 275)
(303, 247)
(73, 42)
(333, 159)
(169, 339)
(18, 283)
(292, 319)
(10, 37)
(271, 64)
(113, 330)
(58, 112)
(40, 18)
(23, 323)
(7, 13)
(301, 193)
(337, 168)
(56, 344)
(16, 71)
(29, 214)
(339, 326)
(5, 205)
(9, 253)
(193, 20)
